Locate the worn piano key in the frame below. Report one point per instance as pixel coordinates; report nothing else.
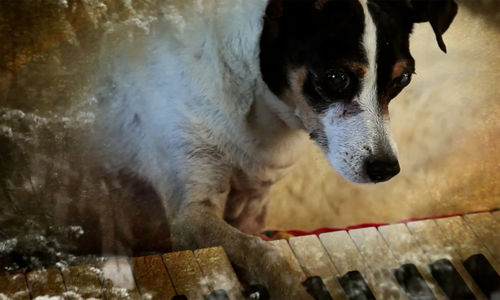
(218, 270)
(152, 277)
(287, 253)
(118, 280)
(484, 275)
(437, 247)
(466, 242)
(47, 283)
(186, 274)
(450, 281)
(314, 260)
(410, 279)
(406, 250)
(216, 295)
(379, 259)
(14, 287)
(487, 228)
(82, 282)
(355, 286)
(346, 257)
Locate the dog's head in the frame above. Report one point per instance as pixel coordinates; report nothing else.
(339, 63)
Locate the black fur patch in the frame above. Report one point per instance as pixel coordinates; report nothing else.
(321, 39)
(394, 22)
(328, 36)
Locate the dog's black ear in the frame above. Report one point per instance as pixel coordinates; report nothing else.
(440, 13)
(274, 9)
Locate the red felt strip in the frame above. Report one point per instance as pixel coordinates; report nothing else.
(376, 225)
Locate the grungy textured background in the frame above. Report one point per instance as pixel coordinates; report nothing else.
(446, 124)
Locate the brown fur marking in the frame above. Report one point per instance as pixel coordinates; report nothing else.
(310, 119)
(398, 68)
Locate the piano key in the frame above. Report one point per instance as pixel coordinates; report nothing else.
(216, 295)
(315, 261)
(186, 274)
(82, 282)
(484, 275)
(48, 282)
(355, 286)
(287, 253)
(152, 277)
(450, 280)
(437, 247)
(466, 242)
(410, 279)
(218, 270)
(406, 250)
(14, 287)
(487, 229)
(118, 280)
(379, 259)
(346, 257)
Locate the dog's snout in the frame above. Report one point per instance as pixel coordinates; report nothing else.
(381, 169)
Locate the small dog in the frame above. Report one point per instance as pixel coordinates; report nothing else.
(232, 89)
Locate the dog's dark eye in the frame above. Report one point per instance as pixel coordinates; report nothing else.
(338, 80)
(404, 80)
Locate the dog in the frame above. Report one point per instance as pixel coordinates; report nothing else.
(231, 90)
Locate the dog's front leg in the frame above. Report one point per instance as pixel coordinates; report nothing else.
(197, 226)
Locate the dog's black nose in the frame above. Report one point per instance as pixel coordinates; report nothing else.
(381, 169)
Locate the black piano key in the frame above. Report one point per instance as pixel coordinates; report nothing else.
(414, 285)
(355, 286)
(484, 275)
(217, 295)
(257, 292)
(449, 280)
(316, 288)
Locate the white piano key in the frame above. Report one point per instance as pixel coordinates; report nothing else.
(287, 253)
(315, 261)
(186, 274)
(346, 257)
(487, 228)
(466, 242)
(118, 280)
(436, 246)
(406, 250)
(380, 260)
(218, 270)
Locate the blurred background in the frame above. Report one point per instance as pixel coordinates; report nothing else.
(446, 124)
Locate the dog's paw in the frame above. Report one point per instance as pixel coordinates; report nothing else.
(269, 265)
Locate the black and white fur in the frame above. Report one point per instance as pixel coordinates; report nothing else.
(229, 92)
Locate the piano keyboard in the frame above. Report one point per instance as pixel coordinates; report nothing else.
(447, 258)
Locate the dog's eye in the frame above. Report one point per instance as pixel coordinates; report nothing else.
(404, 80)
(338, 80)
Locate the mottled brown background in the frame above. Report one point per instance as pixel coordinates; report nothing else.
(446, 124)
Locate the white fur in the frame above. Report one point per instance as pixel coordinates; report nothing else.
(353, 139)
(196, 90)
